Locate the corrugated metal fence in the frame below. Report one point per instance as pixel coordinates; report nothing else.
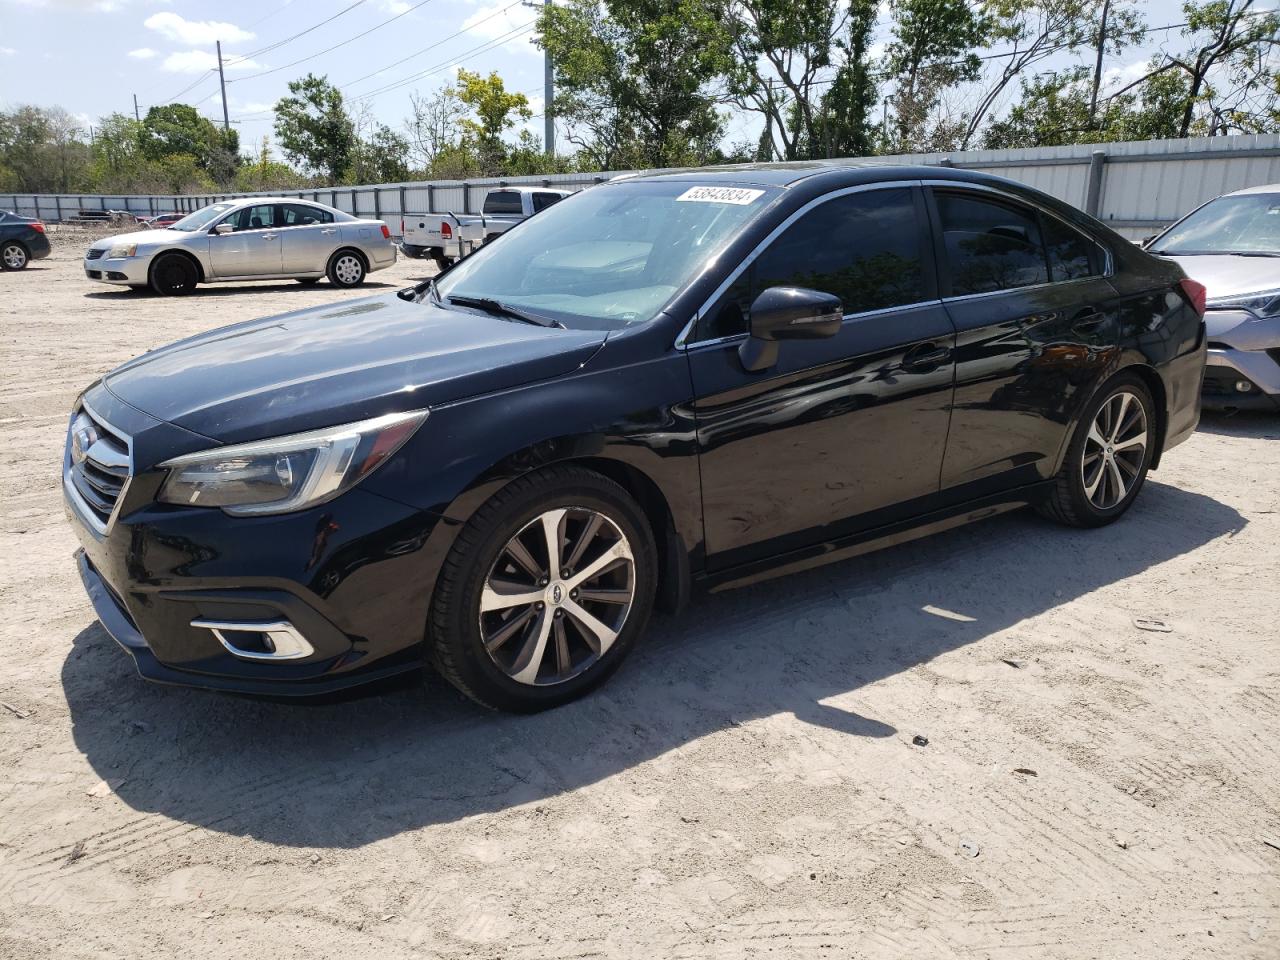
(1136, 187)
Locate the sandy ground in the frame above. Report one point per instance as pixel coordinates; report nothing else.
(746, 786)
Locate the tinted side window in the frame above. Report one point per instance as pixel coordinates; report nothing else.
(863, 247)
(990, 245)
(543, 200)
(1072, 256)
(502, 201)
(298, 215)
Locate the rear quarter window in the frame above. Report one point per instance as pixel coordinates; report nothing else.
(990, 244)
(503, 201)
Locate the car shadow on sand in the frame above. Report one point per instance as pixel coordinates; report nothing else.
(237, 289)
(1258, 424)
(349, 773)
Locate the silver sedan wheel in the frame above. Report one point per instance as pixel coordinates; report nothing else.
(14, 257)
(557, 596)
(348, 269)
(1114, 450)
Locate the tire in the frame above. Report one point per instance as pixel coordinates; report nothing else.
(346, 269)
(409, 250)
(1086, 492)
(442, 263)
(173, 275)
(466, 610)
(14, 256)
(308, 281)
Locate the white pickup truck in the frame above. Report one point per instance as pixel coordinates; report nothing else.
(447, 237)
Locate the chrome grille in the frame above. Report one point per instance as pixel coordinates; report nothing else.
(95, 253)
(97, 469)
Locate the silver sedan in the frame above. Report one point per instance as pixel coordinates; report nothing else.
(257, 238)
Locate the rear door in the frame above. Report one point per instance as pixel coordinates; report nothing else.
(253, 246)
(842, 433)
(308, 235)
(1036, 324)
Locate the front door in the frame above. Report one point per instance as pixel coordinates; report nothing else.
(308, 235)
(252, 249)
(843, 433)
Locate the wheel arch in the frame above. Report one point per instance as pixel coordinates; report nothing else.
(177, 252)
(1150, 378)
(347, 248)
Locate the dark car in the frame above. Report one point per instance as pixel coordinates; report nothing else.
(697, 379)
(161, 221)
(22, 239)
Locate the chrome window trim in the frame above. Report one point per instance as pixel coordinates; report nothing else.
(857, 315)
(83, 510)
(682, 341)
(1109, 264)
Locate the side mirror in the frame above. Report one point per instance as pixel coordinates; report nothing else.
(1146, 241)
(788, 313)
(223, 228)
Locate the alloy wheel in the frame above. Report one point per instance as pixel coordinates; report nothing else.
(348, 270)
(557, 596)
(1114, 450)
(14, 257)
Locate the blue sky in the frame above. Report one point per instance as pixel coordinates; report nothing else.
(92, 56)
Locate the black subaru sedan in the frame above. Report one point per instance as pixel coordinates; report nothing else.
(665, 383)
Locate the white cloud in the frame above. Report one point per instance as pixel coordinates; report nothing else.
(197, 33)
(142, 53)
(1119, 77)
(489, 23)
(198, 61)
(397, 6)
(7, 51)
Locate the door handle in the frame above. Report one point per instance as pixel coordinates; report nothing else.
(925, 357)
(269, 236)
(1087, 320)
(329, 230)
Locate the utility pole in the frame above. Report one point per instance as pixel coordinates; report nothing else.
(1097, 65)
(222, 82)
(136, 116)
(548, 93)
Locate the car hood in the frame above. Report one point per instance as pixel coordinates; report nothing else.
(340, 363)
(1228, 276)
(139, 237)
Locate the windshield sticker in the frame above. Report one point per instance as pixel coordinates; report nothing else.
(738, 195)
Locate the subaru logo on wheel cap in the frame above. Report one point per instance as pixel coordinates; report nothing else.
(557, 593)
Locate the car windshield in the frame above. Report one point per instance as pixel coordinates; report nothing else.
(608, 257)
(202, 217)
(1249, 223)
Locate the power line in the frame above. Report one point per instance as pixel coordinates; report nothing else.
(467, 55)
(279, 9)
(280, 43)
(417, 53)
(379, 26)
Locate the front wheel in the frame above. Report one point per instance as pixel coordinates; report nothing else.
(173, 275)
(545, 591)
(1109, 456)
(346, 269)
(13, 256)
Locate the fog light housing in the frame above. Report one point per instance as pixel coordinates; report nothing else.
(1243, 386)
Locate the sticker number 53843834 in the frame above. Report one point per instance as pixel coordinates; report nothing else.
(739, 195)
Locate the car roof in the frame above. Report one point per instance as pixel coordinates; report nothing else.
(1266, 188)
(792, 173)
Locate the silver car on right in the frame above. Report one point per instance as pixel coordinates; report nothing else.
(1232, 246)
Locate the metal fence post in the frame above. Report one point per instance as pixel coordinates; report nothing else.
(1093, 196)
(431, 198)
(355, 204)
(466, 197)
(57, 204)
(403, 201)
(377, 203)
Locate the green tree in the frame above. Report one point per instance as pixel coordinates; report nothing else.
(264, 173)
(178, 129)
(494, 111)
(314, 129)
(42, 151)
(380, 157)
(635, 78)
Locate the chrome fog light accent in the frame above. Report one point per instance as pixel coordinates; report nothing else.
(280, 638)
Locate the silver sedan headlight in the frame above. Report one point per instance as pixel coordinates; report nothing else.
(1263, 304)
(286, 473)
(122, 250)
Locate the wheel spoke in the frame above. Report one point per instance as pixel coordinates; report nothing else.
(605, 596)
(503, 594)
(553, 533)
(1117, 480)
(1137, 440)
(1091, 486)
(564, 663)
(597, 634)
(529, 660)
(588, 534)
(524, 559)
(1094, 435)
(619, 551)
(1118, 420)
(505, 632)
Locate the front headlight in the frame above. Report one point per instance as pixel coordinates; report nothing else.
(1263, 304)
(287, 473)
(122, 250)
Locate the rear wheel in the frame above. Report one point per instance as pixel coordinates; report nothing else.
(14, 256)
(545, 591)
(173, 275)
(1109, 456)
(346, 269)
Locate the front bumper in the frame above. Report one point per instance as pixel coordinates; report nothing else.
(122, 271)
(1244, 352)
(352, 578)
